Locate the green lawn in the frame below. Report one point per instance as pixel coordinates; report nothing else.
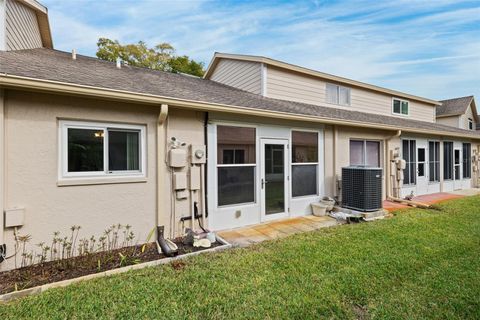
(420, 264)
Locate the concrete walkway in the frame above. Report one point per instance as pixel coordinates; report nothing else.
(276, 229)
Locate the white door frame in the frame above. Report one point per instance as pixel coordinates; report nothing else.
(263, 182)
(422, 180)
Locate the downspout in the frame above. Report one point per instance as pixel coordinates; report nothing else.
(3, 248)
(166, 246)
(388, 163)
(334, 152)
(161, 178)
(204, 172)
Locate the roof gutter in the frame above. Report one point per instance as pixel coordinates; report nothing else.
(32, 84)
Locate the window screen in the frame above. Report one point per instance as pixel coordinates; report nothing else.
(304, 163)
(434, 161)
(338, 95)
(410, 156)
(365, 153)
(448, 160)
(236, 165)
(467, 160)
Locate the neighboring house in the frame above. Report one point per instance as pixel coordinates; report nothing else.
(88, 142)
(458, 112)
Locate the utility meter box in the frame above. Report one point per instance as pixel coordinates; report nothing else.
(14, 217)
(179, 180)
(195, 183)
(198, 154)
(177, 158)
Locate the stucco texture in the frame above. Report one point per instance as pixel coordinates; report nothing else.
(31, 137)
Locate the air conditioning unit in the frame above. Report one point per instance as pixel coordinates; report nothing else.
(362, 188)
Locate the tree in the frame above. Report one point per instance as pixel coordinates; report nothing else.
(161, 57)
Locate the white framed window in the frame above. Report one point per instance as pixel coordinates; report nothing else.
(236, 165)
(400, 106)
(365, 153)
(338, 95)
(304, 163)
(470, 124)
(95, 150)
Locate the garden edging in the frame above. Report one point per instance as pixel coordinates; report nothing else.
(42, 288)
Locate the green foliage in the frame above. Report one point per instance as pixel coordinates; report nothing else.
(161, 57)
(420, 264)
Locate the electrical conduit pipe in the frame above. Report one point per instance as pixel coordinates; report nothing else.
(388, 164)
(161, 178)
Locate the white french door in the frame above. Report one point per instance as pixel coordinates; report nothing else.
(273, 178)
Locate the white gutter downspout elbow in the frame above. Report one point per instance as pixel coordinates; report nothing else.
(388, 164)
(161, 190)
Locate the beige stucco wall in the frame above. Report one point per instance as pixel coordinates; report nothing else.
(31, 121)
(188, 127)
(293, 86)
(339, 148)
(31, 170)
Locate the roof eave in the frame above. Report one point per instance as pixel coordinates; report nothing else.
(33, 84)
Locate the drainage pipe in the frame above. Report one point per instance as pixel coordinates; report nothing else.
(3, 170)
(162, 192)
(388, 163)
(334, 152)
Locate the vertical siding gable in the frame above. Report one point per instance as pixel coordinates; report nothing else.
(22, 31)
(243, 75)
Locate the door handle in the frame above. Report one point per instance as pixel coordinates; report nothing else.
(264, 182)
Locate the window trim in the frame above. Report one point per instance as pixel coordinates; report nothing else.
(470, 124)
(292, 164)
(349, 104)
(226, 165)
(364, 141)
(99, 176)
(400, 114)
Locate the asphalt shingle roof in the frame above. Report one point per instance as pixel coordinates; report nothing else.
(454, 107)
(53, 65)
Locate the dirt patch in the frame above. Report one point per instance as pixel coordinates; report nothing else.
(59, 270)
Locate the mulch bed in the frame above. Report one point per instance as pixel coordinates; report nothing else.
(59, 270)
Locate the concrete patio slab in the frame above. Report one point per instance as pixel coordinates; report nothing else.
(245, 236)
